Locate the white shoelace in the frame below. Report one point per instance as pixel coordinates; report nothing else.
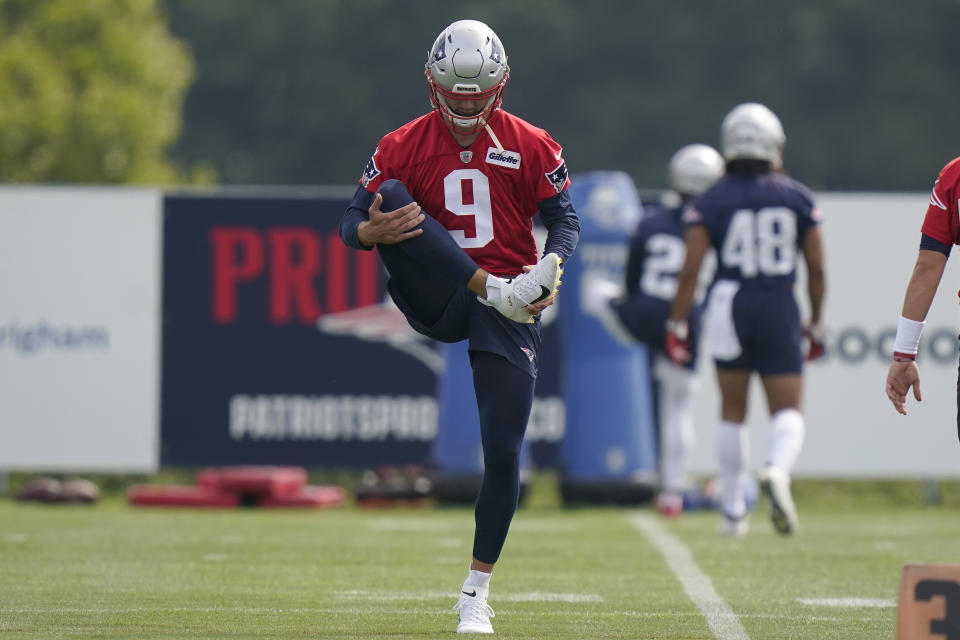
(474, 610)
(527, 286)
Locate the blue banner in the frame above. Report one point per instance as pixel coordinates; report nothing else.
(280, 345)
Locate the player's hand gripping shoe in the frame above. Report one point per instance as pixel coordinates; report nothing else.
(510, 297)
(474, 611)
(775, 484)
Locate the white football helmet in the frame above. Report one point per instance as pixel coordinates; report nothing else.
(751, 131)
(694, 168)
(466, 62)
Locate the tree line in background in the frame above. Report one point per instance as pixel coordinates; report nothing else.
(299, 91)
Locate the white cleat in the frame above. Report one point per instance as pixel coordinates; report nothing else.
(509, 297)
(775, 484)
(474, 612)
(733, 527)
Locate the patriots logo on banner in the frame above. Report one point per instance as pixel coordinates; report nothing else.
(558, 177)
(369, 172)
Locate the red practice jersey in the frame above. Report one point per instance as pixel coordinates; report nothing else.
(941, 222)
(486, 198)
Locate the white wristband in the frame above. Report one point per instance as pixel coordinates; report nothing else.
(908, 336)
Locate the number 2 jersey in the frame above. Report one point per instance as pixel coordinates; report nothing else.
(486, 197)
(655, 258)
(756, 223)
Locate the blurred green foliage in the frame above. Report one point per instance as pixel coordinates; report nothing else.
(300, 91)
(90, 92)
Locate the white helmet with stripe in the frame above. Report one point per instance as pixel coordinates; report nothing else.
(467, 62)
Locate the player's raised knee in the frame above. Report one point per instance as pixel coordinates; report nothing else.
(395, 195)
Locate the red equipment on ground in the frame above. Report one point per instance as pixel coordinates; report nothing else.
(270, 487)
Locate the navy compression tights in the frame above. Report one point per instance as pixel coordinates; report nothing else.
(428, 268)
(504, 397)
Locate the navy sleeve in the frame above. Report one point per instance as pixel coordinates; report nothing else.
(355, 214)
(931, 244)
(562, 223)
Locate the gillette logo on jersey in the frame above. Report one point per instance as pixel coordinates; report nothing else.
(509, 159)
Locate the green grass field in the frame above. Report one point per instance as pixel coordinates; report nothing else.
(112, 571)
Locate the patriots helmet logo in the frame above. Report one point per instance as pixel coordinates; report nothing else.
(496, 51)
(369, 172)
(558, 177)
(439, 51)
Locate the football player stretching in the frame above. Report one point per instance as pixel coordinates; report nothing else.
(448, 201)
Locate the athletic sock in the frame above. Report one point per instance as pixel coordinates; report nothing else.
(676, 423)
(733, 456)
(785, 439)
(477, 582)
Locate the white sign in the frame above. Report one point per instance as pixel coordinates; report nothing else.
(852, 429)
(79, 328)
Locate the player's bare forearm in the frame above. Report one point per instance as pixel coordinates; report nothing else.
(816, 277)
(923, 284)
(816, 288)
(683, 301)
(698, 242)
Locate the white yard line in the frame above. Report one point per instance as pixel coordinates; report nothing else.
(721, 619)
(848, 603)
(535, 596)
(400, 611)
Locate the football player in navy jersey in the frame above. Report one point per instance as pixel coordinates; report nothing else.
(448, 201)
(758, 220)
(637, 312)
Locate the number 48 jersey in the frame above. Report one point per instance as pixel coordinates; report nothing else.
(485, 197)
(757, 224)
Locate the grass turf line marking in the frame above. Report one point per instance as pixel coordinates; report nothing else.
(848, 602)
(721, 619)
(405, 611)
(534, 596)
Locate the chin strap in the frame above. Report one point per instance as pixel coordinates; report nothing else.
(493, 137)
